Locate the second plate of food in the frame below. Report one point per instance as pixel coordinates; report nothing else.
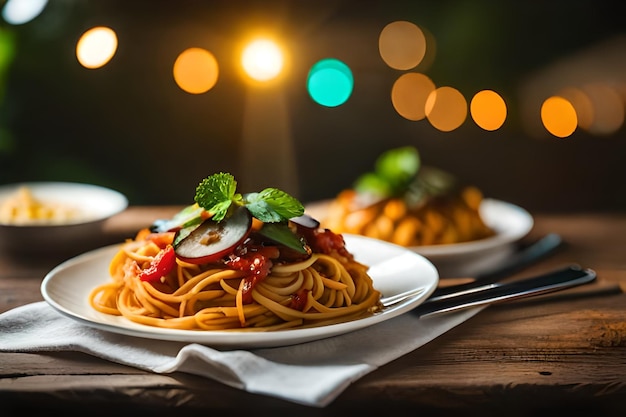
(508, 221)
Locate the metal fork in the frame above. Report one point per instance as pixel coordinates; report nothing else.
(568, 277)
(485, 289)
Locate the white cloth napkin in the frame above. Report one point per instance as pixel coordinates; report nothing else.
(312, 373)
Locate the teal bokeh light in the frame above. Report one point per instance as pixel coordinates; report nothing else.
(330, 82)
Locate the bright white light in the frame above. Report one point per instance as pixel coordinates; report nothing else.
(262, 60)
(17, 12)
(96, 47)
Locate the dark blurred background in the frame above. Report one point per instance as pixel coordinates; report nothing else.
(129, 126)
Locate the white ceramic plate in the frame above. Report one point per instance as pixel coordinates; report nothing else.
(509, 221)
(395, 270)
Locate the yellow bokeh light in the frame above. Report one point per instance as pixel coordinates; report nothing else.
(488, 110)
(262, 60)
(196, 70)
(409, 94)
(582, 105)
(559, 116)
(96, 47)
(608, 108)
(402, 45)
(446, 108)
(431, 51)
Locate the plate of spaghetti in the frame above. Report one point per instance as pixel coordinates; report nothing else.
(239, 271)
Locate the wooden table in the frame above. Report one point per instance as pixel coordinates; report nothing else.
(561, 352)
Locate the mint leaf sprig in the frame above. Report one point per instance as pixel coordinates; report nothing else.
(218, 192)
(393, 173)
(399, 173)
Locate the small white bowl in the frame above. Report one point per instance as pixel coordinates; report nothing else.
(90, 206)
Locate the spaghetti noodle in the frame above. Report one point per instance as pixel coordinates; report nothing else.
(258, 287)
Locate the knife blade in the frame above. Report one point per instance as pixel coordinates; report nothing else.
(518, 261)
(570, 276)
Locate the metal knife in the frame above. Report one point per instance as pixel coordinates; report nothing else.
(516, 262)
(570, 276)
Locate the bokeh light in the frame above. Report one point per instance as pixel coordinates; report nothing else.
(582, 105)
(262, 60)
(196, 70)
(330, 82)
(558, 116)
(608, 108)
(409, 94)
(96, 47)
(488, 110)
(18, 12)
(599, 107)
(402, 45)
(446, 108)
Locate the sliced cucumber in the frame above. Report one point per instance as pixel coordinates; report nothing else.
(211, 241)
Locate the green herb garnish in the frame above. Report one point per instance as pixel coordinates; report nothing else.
(218, 192)
(393, 173)
(399, 173)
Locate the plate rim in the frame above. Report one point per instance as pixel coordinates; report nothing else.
(233, 338)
